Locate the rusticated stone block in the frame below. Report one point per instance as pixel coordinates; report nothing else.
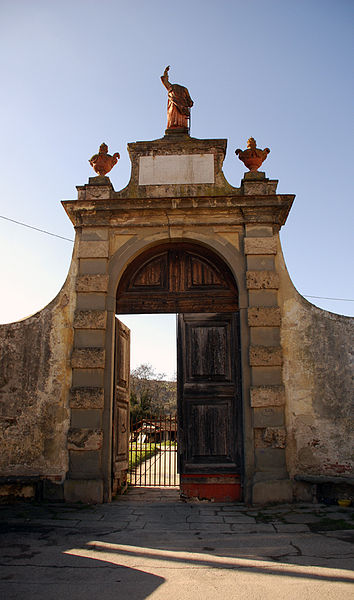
(266, 245)
(270, 459)
(85, 465)
(264, 316)
(272, 491)
(259, 231)
(269, 416)
(85, 439)
(86, 397)
(92, 283)
(259, 298)
(265, 356)
(270, 437)
(262, 280)
(86, 419)
(92, 338)
(257, 262)
(267, 395)
(275, 437)
(87, 378)
(93, 301)
(90, 319)
(87, 491)
(94, 266)
(95, 234)
(266, 375)
(86, 358)
(97, 249)
(260, 336)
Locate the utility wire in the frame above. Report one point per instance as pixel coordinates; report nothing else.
(69, 240)
(325, 298)
(36, 229)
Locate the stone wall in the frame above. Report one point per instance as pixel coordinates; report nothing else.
(317, 372)
(35, 377)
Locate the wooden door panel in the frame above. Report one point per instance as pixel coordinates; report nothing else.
(200, 274)
(120, 454)
(209, 354)
(123, 433)
(151, 276)
(208, 393)
(208, 431)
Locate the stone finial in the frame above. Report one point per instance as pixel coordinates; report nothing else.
(103, 162)
(253, 157)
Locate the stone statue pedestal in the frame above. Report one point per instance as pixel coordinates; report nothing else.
(177, 131)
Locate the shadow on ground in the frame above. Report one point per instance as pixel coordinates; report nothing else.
(135, 550)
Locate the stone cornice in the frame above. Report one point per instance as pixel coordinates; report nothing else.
(199, 211)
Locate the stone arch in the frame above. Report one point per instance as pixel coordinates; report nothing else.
(177, 277)
(225, 250)
(217, 260)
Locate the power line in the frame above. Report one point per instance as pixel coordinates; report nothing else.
(69, 240)
(36, 229)
(325, 298)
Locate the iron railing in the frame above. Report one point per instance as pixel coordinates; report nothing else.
(153, 452)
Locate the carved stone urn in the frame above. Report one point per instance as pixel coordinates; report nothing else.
(253, 157)
(103, 162)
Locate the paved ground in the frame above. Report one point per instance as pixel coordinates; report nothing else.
(160, 548)
(161, 469)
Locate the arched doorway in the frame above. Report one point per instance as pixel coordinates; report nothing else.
(192, 281)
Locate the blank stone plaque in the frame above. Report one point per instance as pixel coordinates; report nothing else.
(176, 169)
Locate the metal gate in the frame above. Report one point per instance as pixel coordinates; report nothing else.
(153, 452)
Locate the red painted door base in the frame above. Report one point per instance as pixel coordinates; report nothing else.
(216, 487)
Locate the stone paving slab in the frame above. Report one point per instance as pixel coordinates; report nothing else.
(300, 518)
(347, 516)
(237, 518)
(344, 534)
(291, 527)
(318, 545)
(160, 550)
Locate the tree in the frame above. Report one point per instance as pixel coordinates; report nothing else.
(150, 394)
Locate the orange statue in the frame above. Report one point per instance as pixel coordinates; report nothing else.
(253, 157)
(103, 162)
(179, 104)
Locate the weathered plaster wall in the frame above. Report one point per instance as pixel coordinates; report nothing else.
(35, 377)
(318, 377)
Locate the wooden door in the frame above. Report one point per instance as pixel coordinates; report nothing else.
(121, 407)
(209, 405)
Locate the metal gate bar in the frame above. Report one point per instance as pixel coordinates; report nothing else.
(153, 452)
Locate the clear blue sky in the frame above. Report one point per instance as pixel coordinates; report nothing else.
(76, 73)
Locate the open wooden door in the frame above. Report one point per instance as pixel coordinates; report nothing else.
(209, 406)
(120, 454)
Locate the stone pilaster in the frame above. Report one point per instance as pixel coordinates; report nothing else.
(85, 437)
(265, 360)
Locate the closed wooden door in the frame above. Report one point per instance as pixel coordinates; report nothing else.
(209, 394)
(121, 427)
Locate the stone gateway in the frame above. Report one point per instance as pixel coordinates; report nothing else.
(263, 375)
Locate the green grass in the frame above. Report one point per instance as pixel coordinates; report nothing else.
(168, 444)
(136, 457)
